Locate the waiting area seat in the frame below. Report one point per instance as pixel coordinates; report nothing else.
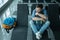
(20, 32)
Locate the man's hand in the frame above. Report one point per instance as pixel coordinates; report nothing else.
(42, 16)
(37, 19)
(36, 13)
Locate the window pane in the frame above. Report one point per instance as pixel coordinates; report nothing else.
(5, 1)
(0, 3)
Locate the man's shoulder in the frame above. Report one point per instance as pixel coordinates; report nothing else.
(34, 10)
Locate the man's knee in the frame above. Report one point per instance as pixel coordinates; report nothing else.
(30, 22)
(47, 22)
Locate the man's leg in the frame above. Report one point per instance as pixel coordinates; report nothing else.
(33, 26)
(44, 27)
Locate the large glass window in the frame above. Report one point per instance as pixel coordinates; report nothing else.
(5, 1)
(0, 3)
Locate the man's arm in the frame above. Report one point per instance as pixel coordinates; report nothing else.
(36, 19)
(41, 15)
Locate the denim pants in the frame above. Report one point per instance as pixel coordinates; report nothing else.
(41, 28)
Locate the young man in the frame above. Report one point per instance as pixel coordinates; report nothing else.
(39, 22)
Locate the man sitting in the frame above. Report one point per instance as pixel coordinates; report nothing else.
(39, 22)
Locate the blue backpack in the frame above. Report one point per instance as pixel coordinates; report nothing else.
(9, 21)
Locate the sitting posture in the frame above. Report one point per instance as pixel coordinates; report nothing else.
(39, 22)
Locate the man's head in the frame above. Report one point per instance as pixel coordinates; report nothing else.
(39, 7)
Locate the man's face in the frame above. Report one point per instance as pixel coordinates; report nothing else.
(38, 10)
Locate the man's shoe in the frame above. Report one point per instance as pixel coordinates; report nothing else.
(38, 35)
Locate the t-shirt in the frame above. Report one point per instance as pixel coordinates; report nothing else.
(33, 15)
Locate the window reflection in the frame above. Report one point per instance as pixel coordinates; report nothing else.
(8, 13)
(2, 2)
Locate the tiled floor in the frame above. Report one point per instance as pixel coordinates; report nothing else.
(1, 34)
(4, 35)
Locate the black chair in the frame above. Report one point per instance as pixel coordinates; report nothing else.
(48, 1)
(25, 1)
(20, 32)
(40, 1)
(53, 14)
(58, 1)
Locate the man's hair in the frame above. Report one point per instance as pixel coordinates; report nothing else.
(39, 6)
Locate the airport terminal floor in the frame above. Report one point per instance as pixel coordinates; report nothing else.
(22, 10)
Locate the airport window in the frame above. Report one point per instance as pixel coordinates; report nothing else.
(5, 1)
(0, 3)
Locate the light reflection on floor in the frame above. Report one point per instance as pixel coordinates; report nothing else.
(5, 35)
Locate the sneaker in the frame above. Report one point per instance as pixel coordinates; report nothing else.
(38, 35)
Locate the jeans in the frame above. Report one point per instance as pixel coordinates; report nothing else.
(41, 28)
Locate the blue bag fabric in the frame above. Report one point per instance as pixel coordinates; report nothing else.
(9, 21)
